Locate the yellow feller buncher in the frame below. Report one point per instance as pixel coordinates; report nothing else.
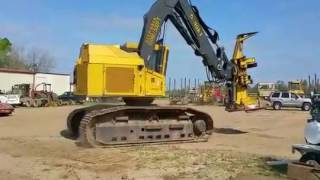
(241, 78)
(137, 72)
(296, 87)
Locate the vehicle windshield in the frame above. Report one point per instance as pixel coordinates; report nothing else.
(265, 86)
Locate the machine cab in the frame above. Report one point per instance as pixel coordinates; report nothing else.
(114, 70)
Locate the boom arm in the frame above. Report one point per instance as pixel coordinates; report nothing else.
(197, 34)
(203, 40)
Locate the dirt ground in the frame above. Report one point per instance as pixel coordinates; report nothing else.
(31, 147)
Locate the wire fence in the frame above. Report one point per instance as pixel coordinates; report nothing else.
(178, 87)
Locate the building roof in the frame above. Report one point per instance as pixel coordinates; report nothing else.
(24, 71)
(60, 74)
(10, 70)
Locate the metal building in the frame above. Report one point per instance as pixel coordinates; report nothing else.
(9, 77)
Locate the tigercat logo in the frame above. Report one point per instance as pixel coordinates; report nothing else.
(153, 31)
(196, 25)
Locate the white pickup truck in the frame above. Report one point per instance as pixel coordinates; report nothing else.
(12, 99)
(287, 99)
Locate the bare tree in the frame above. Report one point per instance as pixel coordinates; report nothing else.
(34, 59)
(17, 58)
(40, 60)
(281, 85)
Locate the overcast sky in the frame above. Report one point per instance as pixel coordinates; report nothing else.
(286, 48)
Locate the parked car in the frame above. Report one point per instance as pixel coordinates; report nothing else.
(12, 99)
(70, 98)
(287, 99)
(6, 109)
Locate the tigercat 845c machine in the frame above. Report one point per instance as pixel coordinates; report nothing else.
(137, 71)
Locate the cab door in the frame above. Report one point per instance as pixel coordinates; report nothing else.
(285, 98)
(294, 100)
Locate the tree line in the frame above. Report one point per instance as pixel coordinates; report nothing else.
(18, 57)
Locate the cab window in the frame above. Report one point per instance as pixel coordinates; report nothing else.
(294, 96)
(275, 95)
(285, 95)
(157, 61)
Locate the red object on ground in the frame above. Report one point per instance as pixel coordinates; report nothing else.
(217, 93)
(6, 109)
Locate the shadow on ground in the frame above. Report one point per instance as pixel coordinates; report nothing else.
(228, 131)
(280, 167)
(67, 134)
(287, 109)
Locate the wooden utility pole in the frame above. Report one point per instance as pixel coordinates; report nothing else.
(309, 84)
(169, 90)
(315, 83)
